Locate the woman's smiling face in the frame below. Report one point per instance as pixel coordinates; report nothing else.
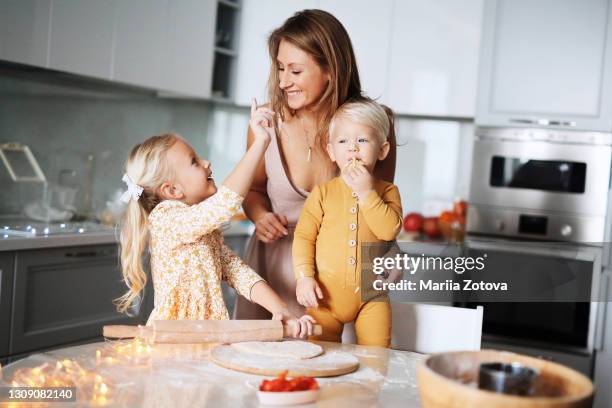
(300, 77)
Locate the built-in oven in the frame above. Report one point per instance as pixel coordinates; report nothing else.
(564, 327)
(538, 183)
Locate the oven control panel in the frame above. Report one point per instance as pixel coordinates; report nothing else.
(530, 224)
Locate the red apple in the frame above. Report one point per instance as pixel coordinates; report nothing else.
(430, 227)
(413, 222)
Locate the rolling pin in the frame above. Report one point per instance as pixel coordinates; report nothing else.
(205, 331)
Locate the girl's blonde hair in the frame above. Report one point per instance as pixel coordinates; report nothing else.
(323, 37)
(367, 113)
(146, 166)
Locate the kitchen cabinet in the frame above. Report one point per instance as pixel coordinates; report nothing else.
(191, 30)
(546, 63)
(369, 29)
(6, 290)
(433, 57)
(24, 30)
(81, 37)
(64, 295)
(165, 45)
(417, 57)
(158, 44)
(140, 42)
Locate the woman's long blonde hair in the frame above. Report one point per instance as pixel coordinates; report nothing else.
(146, 166)
(323, 37)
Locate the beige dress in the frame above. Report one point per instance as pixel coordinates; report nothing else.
(189, 259)
(273, 261)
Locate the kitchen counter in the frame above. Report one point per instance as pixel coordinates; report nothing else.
(182, 375)
(93, 234)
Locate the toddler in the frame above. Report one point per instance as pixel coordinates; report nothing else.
(337, 218)
(175, 210)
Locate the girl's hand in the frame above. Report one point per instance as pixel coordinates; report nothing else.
(307, 291)
(262, 122)
(270, 227)
(359, 180)
(300, 328)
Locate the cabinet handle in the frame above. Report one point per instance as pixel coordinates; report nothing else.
(543, 122)
(86, 254)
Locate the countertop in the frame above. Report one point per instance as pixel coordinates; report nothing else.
(182, 375)
(96, 235)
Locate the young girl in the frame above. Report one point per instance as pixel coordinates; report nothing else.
(174, 207)
(338, 217)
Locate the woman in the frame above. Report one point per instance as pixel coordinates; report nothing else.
(313, 71)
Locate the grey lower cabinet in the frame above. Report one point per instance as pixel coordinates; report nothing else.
(6, 289)
(65, 295)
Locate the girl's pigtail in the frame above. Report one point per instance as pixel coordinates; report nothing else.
(133, 243)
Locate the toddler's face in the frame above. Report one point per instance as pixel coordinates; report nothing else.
(193, 175)
(355, 141)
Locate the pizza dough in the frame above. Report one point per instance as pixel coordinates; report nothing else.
(284, 349)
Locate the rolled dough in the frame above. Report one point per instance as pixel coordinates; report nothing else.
(285, 349)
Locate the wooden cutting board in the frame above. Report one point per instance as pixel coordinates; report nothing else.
(328, 364)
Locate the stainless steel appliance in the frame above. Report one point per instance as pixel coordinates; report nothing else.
(565, 331)
(539, 183)
(531, 185)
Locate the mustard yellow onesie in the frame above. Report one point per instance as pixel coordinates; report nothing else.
(327, 245)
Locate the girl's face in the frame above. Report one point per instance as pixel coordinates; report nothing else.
(193, 175)
(300, 77)
(355, 141)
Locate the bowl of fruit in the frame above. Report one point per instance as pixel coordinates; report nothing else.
(450, 224)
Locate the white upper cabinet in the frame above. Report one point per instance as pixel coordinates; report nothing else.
(368, 26)
(189, 57)
(433, 63)
(24, 31)
(140, 43)
(418, 57)
(546, 63)
(81, 38)
(259, 18)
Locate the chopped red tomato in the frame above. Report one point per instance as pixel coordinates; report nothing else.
(283, 384)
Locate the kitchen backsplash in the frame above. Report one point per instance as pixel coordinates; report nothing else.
(82, 137)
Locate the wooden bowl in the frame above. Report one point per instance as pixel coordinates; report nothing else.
(450, 380)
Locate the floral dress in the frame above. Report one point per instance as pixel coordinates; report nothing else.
(189, 259)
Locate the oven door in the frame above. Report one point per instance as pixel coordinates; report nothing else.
(566, 325)
(540, 176)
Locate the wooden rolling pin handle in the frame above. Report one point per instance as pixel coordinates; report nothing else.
(125, 332)
(317, 330)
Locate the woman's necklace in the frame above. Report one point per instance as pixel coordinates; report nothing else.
(307, 138)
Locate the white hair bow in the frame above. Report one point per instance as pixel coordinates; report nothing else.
(133, 190)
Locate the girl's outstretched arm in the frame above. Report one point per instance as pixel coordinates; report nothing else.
(262, 125)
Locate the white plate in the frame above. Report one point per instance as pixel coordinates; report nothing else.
(287, 398)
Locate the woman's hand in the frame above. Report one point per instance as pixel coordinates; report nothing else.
(308, 291)
(270, 227)
(262, 122)
(299, 328)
